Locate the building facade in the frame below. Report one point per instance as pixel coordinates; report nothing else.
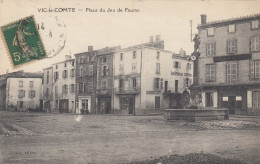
(105, 80)
(47, 89)
(86, 79)
(229, 64)
(148, 78)
(64, 86)
(23, 92)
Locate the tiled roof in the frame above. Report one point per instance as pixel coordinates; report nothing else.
(230, 21)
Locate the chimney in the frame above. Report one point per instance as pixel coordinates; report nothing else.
(90, 48)
(158, 38)
(182, 53)
(151, 39)
(203, 19)
(67, 57)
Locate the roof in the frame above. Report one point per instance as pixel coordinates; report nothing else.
(230, 21)
(63, 61)
(47, 68)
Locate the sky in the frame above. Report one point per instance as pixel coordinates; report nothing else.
(80, 29)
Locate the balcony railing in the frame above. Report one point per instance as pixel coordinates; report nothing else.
(135, 90)
(103, 92)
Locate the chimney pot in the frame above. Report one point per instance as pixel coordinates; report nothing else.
(151, 39)
(203, 19)
(90, 48)
(158, 38)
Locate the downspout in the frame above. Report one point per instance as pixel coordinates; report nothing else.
(141, 67)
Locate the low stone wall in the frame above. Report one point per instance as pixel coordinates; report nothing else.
(196, 114)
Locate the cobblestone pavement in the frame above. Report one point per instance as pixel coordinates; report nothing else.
(67, 138)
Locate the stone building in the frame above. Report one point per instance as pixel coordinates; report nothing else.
(64, 86)
(47, 89)
(228, 68)
(21, 91)
(105, 80)
(86, 79)
(147, 79)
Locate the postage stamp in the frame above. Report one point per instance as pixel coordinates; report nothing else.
(23, 41)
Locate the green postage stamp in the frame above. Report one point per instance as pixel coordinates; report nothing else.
(23, 41)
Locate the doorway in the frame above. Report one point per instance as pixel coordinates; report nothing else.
(157, 102)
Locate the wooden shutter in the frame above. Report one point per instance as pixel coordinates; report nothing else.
(207, 72)
(229, 72)
(154, 83)
(179, 65)
(252, 70)
(214, 48)
(257, 69)
(161, 83)
(235, 42)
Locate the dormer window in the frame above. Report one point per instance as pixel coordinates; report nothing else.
(231, 28)
(211, 31)
(255, 24)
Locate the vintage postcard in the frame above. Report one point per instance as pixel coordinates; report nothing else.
(130, 82)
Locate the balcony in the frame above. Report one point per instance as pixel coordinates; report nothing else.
(103, 92)
(122, 91)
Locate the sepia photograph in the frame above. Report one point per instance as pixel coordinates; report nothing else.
(130, 82)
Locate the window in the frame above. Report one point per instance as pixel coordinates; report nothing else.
(72, 88)
(209, 99)
(176, 85)
(211, 49)
(186, 82)
(134, 83)
(255, 24)
(134, 54)
(157, 68)
(65, 89)
(47, 93)
(121, 68)
(57, 66)
(81, 88)
(31, 84)
(231, 28)
(80, 71)
(21, 93)
(158, 55)
(211, 31)
(56, 76)
(65, 64)
(177, 65)
(104, 60)
(72, 73)
(56, 91)
(90, 86)
(256, 98)
(134, 67)
(232, 46)
(255, 43)
(121, 56)
(20, 83)
(157, 83)
(121, 83)
(231, 72)
(255, 69)
(210, 73)
(72, 63)
(65, 74)
(104, 84)
(188, 67)
(32, 93)
(81, 60)
(91, 58)
(104, 70)
(47, 79)
(90, 70)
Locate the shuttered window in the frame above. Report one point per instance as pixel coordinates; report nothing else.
(256, 98)
(232, 46)
(255, 69)
(255, 43)
(211, 49)
(210, 73)
(232, 72)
